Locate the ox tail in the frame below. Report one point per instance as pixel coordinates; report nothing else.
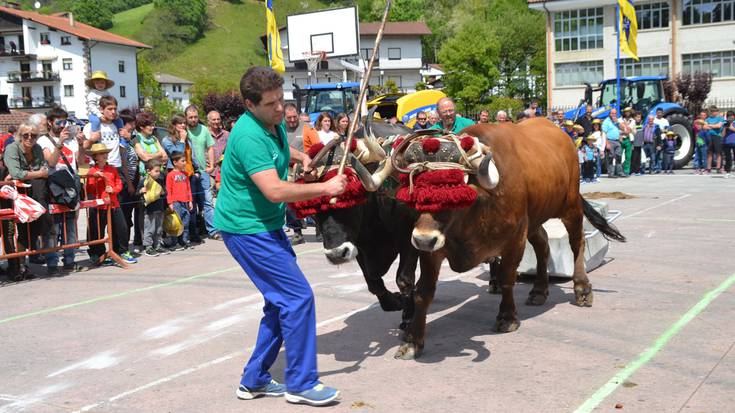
(599, 222)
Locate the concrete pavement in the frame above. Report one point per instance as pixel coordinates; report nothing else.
(172, 333)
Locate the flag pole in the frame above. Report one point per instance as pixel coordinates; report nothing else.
(617, 60)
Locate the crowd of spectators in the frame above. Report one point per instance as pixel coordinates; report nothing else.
(143, 171)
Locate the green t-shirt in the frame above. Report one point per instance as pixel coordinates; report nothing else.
(241, 208)
(201, 140)
(459, 124)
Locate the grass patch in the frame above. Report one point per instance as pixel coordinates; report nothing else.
(232, 43)
(129, 22)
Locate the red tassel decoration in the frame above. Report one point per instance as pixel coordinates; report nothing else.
(353, 195)
(431, 145)
(435, 191)
(314, 150)
(353, 145)
(397, 142)
(467, 143)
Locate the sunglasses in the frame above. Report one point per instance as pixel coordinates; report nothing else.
(420, 118)
(29, 136)
(60, 122)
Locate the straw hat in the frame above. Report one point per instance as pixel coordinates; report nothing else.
(568, 122)
(670, 133)
(579, 128)
(99, 74)
(628, 109)
(98, 148)
(596, 122)
(591, 138)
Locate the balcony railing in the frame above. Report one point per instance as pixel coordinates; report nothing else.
(33, 102)
(39, 76)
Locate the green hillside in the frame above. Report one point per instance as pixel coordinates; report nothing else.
(130, 22)
(230, 44)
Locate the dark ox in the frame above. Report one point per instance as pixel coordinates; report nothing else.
(539, 180)
(375, 232)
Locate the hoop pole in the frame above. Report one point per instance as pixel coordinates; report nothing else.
(361, 96)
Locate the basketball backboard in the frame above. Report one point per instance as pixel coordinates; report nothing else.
(333, 31)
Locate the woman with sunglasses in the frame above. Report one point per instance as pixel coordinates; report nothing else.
(25, 162)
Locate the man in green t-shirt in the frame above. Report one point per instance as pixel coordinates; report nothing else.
(202, 147)
(250, 215)
(448, 118)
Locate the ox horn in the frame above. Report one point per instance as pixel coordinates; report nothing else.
(487, 173)
(371, 182)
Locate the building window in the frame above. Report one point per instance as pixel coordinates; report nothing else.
(366, 53)
(65, 40)
(176, 88)
(394, 53)
(578, 29)
(121, 66)
(48, 93)
(720, 64)
(69, 91)
(577, 73)
(44, 38)
(66, 64)
(646, 66)
(708, 11)
(652, 16)
(178, 102)
(122, 91)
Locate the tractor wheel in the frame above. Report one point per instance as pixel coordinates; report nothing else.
(685, 143)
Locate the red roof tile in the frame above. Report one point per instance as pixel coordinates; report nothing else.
(82, 30)
(396, 28)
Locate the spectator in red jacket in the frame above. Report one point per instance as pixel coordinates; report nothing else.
(179, 197)
(103, 182)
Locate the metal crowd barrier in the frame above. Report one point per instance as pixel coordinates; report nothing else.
(8, 214)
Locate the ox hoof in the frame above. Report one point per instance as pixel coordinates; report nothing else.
(535, 298)
(493, 287)
(507, 326)
(583, 296)
(404, 325)
(408, 351)
(391, 302)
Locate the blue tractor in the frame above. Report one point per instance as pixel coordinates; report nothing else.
(645, 94)
(327, 97)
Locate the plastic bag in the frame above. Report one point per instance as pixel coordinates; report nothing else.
(26, 208)
(172, 225)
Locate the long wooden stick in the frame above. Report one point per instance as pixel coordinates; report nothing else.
(363, 91)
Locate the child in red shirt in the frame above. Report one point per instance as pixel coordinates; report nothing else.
(103, 182)
(178, 196)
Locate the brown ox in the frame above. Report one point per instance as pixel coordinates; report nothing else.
(539, 180)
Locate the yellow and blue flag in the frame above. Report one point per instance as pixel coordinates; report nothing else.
(275, 54)
(628, 28)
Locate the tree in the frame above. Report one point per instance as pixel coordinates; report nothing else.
(95, 13)
(228, 104)
(689, 90)
(470, 65)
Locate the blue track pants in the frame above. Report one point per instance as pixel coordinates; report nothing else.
(288, 315)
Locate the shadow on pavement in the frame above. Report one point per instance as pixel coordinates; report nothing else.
(374, 333)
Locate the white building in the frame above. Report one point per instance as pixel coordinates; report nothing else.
(175, 89)
(44, 60)
(399, 58)
(673, 36)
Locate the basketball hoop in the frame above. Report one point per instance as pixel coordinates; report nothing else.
(312, 60)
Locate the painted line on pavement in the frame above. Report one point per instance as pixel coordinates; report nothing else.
(130, 292)
(654, 207)
(601, 394)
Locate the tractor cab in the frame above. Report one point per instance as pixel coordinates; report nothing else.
(327, 97)
(646, 95)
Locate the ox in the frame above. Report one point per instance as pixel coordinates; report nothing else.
(374, 231)
(536, 178)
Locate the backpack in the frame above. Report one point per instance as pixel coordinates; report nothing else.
(64, 186)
